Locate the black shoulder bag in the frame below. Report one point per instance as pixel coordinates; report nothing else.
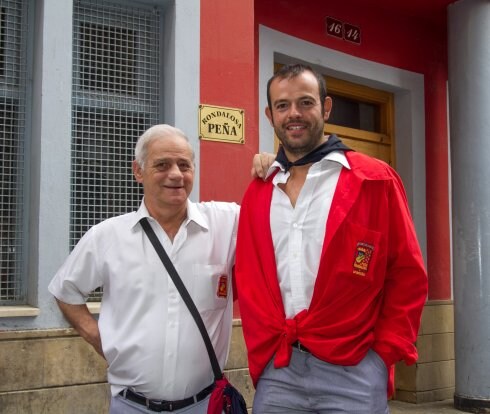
(224, 397)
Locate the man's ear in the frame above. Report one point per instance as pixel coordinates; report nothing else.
(268, 114)
(327, 105)
(138, 172)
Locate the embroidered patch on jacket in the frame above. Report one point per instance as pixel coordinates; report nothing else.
(363, 256)
(222, 286)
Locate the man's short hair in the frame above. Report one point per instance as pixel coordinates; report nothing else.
(291, 71)
(160, 131)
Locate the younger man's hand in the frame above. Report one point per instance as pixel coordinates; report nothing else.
(261, 164)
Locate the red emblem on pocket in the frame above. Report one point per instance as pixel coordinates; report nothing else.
(362, 258)
(222, 287)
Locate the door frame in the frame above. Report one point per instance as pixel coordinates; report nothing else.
(407, 88)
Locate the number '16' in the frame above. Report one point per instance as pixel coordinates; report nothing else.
(335, 28)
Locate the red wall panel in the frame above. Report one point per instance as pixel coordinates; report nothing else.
(228, 78)
(393, 35)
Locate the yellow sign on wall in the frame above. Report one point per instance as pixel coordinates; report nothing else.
(217, 123)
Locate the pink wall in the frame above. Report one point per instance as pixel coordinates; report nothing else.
(229, 78)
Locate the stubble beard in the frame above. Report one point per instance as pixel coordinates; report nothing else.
(314, 138)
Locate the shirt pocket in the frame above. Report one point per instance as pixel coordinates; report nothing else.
(212, 286)
(361, 253)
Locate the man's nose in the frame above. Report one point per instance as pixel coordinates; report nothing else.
(174, 172)
(294, 111)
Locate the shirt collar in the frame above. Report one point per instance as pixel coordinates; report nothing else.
(336, 156)
(193, 214)
(140, 213)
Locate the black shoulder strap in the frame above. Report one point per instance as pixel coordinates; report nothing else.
(184, 293)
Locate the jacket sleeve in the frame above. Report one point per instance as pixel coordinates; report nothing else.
(405, 288)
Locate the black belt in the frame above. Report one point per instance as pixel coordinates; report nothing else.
(163, 405)
(301, 347)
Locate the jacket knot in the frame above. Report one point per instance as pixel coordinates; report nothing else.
(288, 337)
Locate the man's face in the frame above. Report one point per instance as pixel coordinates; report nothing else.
(168, 174)
(296, 113)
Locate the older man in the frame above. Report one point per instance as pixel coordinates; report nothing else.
(157, 360)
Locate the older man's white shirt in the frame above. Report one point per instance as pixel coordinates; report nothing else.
(149, 338)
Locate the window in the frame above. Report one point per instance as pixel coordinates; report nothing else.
(116, 96)
(363, 118)
(352, 113)
(13, 49)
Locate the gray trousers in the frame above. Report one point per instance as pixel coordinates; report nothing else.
(119, 405)
(309, 385)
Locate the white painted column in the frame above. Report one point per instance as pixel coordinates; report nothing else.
(469, 93)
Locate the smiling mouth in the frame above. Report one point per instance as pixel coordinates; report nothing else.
(295, 127)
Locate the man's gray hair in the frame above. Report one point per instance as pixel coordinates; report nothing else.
(160, 131)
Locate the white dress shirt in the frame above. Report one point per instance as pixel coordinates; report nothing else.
(298, 232)
(149, 338)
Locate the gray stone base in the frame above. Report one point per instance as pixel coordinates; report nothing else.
(56, 372)
(432, 378)
(76, 399)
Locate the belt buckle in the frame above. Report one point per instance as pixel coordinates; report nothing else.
(159, 406)
(165, 406)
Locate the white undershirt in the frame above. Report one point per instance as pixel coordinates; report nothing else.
(298, 232)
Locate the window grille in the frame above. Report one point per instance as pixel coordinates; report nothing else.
(13, 49)
(116, 91)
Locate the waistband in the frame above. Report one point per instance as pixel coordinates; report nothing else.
(164, 405)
